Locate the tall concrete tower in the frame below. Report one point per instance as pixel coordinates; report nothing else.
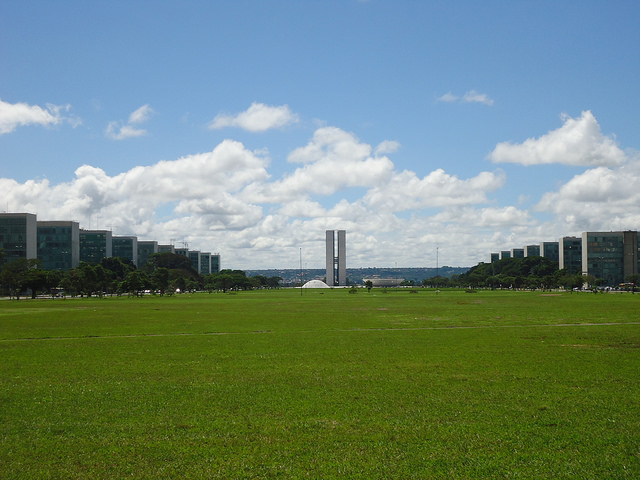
(336, 258)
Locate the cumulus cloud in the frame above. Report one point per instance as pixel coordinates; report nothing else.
(116, 130)
(14, 115)
(333, 160)
(601, 198)
(471, 96)
(257, 118)
(579, 142)
(406, 191)
(226, 200)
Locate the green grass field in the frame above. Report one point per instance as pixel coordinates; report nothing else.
(275, 384)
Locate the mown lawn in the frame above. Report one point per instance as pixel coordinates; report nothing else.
(275, 384)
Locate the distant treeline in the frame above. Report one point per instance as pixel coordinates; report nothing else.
(165, 273)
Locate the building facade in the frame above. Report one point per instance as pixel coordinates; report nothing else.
(58, 245)
(550, 250)
(610, 256)
(95, 245)
(532, 251)
(146, 248)
(570, 254)
(18, 236)
(215, 263)
(125, 247)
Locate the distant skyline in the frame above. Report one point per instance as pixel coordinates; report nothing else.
(249, 128)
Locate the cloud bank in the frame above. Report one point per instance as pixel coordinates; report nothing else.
(229, 200)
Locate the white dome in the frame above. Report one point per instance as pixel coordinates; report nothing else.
(315, 284)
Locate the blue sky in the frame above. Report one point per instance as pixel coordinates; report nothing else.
(249, 127)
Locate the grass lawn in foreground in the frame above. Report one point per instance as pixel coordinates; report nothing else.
(275, 384)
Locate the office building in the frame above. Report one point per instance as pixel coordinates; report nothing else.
(58, 245)
(505, 254)
(125, 247)
(95, 245)
(494, 257)
(215, 263)
(194, 256)
(550, 250)
(336, 257)
(570, 254)
(610, 256)
(532, 251)
(205, 263)
(146, 248)
(18, 236)
(517, 253)
(166, 249)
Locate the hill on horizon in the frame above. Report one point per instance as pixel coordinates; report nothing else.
(356, 275)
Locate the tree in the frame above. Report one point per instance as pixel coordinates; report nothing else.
(17, 274)
(369, 285)
(160, 280)
(135, 282)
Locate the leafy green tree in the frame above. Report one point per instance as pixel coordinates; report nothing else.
(135, 282)
(369, 285)
(18, 274)
(160, 280)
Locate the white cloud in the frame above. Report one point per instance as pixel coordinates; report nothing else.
(469, 97)
(386, 147)
(475, 97)
(449, 98)
(141, 115)
(332, 160)
(257, 118)
(579, 141)
(118, 131)
(14, 115)
(406, 191)
(601, 198)
(226, 201)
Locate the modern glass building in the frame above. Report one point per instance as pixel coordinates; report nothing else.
(550, 250)
(215, 263)
(194, 256)
(166, 249)
(18, 236)
(610, 256)
(505, 254)
(205, 263)
(58, 245)
(125, 247)
(570, 254)
(495, 257)
(146, 248)
(95, 245)
(517, 253)
(532, 251)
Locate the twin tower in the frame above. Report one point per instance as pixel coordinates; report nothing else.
(336, 258)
